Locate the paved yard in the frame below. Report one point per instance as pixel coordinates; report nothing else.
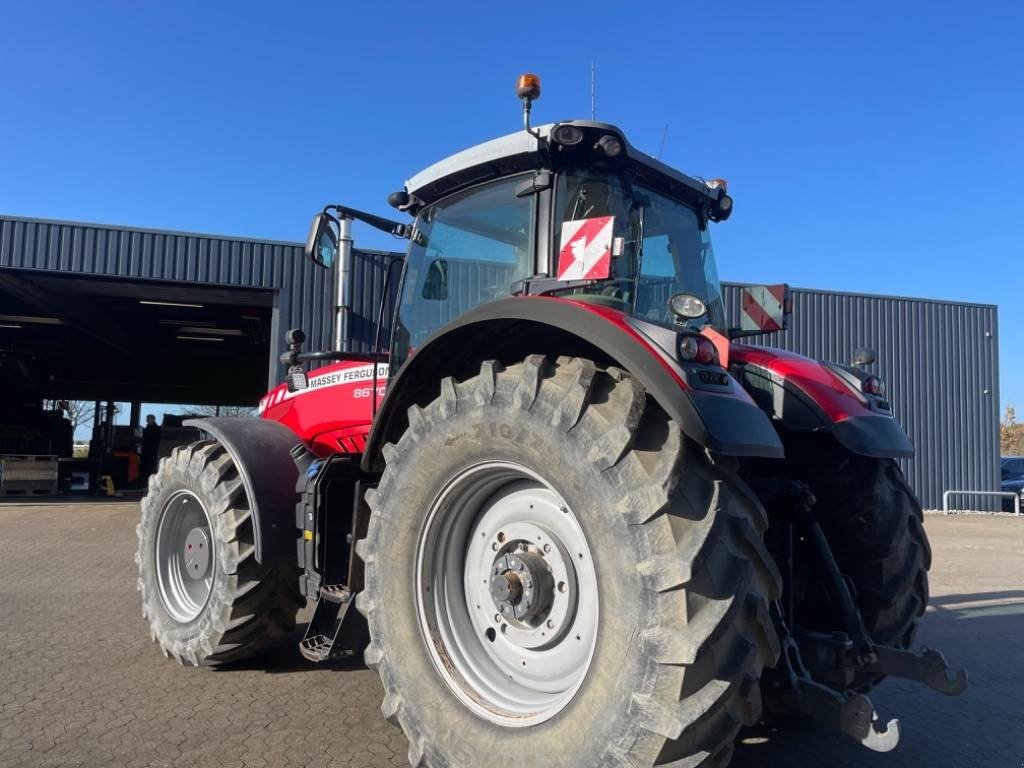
(82, 685)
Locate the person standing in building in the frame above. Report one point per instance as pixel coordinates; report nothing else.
(150, 448)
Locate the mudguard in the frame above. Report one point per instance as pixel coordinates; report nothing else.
(261, 451)
(722, 417)
(807, 395)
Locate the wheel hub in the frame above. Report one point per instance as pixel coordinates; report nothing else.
(522, 586)
(196, 553)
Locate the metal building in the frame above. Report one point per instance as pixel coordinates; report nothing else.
(108, 307)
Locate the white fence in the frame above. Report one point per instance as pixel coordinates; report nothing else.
(1015, 495)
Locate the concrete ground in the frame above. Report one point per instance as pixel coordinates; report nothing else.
(82, 685)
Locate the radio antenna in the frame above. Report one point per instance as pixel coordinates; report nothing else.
(593, 91)
(664, 135)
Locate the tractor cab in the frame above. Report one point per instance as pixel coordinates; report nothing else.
(571, 210)
(568, 209)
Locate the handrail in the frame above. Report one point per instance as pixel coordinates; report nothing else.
(1004, 494)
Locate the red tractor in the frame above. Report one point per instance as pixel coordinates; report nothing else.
(568, 516)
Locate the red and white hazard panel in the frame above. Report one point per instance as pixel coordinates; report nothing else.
(763, 308)
(586, 252)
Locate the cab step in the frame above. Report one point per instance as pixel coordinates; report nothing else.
(337, 630)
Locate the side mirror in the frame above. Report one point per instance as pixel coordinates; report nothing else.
(764, 309)
(435, 287)
(322, 241)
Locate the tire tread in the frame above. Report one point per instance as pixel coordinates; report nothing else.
(706, 569)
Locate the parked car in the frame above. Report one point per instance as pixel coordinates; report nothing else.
(1012, 479)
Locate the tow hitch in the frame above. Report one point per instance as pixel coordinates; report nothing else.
(793, 689)
(817, 670)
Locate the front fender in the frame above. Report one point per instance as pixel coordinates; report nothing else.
(261, 451)
(722, 418)
(806, 395)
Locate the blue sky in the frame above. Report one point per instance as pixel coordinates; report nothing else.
(870, 146)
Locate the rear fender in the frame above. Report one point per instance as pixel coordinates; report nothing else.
(721, 417)
(806, 395)
(262, 453)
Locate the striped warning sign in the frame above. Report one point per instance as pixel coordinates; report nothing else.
(586, 252)
(763, 308)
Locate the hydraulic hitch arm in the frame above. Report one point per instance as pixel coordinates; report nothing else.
(927, 666)
(817, 669)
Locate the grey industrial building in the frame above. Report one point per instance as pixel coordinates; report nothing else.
(123, 313)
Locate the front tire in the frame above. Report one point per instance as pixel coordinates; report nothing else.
(204, 595)
(661, 543)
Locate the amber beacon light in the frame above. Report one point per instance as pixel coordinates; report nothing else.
(528, 86)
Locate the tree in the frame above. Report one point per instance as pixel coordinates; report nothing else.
(1011, 434)
(210, 411)
(80, 412)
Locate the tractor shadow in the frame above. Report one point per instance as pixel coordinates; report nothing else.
(285, 658)
(981, 632)
(980, 728)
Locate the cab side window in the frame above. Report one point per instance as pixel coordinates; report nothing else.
(467, 249)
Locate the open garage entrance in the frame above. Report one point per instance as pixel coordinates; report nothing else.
(109, 340)
(87, 338)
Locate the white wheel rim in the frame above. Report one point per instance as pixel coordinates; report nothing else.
(185, 556)
(500, 530)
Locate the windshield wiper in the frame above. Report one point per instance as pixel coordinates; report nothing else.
(640, 203)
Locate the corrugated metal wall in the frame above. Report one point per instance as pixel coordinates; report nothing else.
(371, 273)
(939, 359)
(940, 362)
(304, 292)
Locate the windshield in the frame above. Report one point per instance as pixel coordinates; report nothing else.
(642, 247)
(466, 249)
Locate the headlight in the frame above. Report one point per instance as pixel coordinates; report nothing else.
(567, 135)
(873, 386)
(610, 145)
(697, 348)
(688, 306)
(687, 347)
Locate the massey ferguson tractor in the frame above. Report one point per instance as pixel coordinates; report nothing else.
(566, 514)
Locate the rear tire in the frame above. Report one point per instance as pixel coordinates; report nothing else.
(681, 577)
(232, 607)
(874, 525)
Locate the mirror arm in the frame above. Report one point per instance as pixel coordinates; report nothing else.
(377, 222)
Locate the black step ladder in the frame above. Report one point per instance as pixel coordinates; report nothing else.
(337, 630)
